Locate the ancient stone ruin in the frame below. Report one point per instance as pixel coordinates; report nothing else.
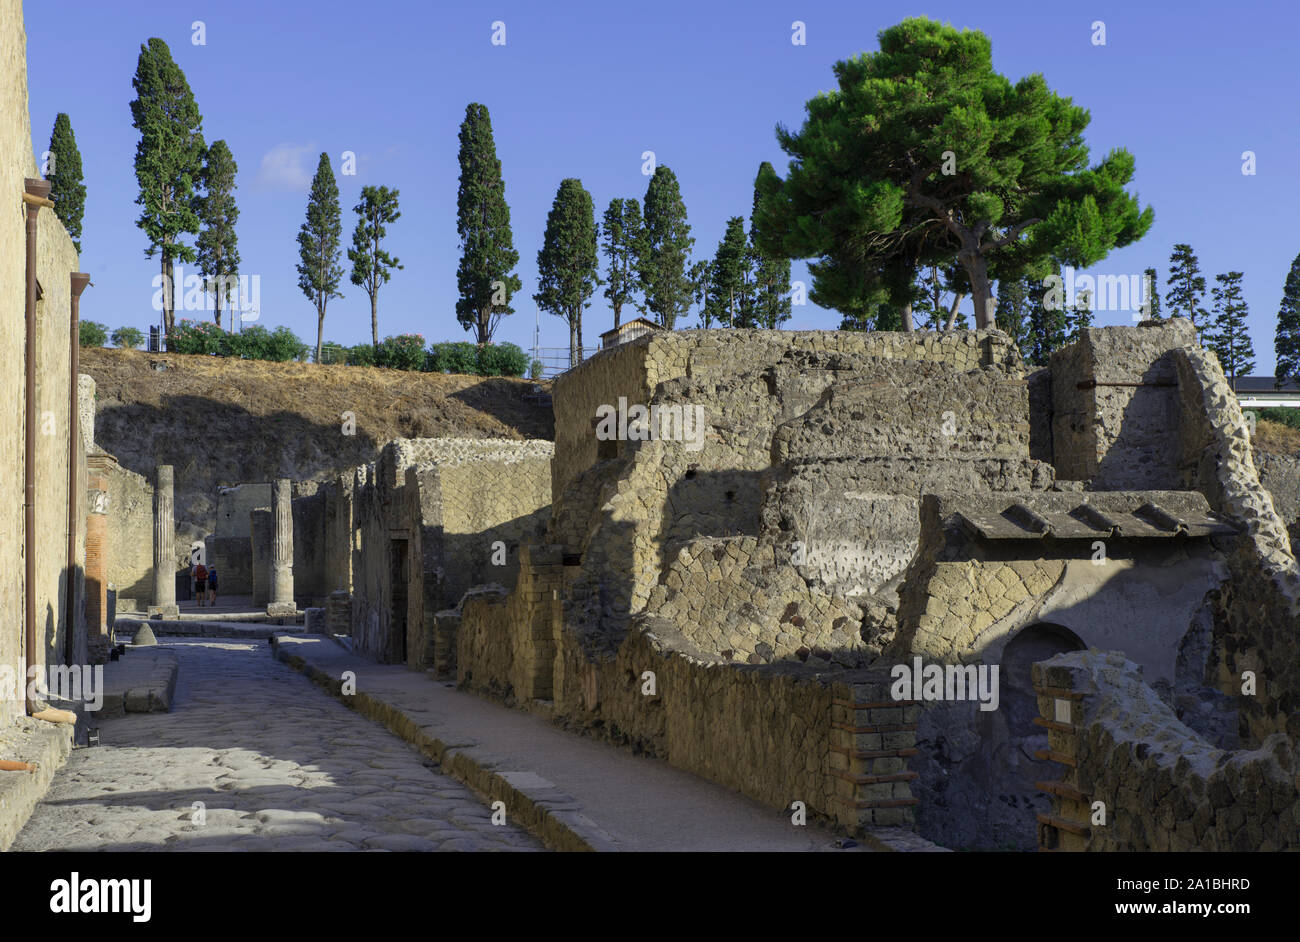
(744, 547)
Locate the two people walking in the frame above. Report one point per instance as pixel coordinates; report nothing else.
(205, 582)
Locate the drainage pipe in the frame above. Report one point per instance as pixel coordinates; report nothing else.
(75, 483)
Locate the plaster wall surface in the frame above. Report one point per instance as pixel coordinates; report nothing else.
(56, 259)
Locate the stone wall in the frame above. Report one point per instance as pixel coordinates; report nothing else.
(424, 520)
(1115, 406)
(636, 368)
(780, 732)
(731, 602)
(130, 536)
(1162, 787)
(311, 576)
(1258, 614)
(56, 259)
(261, 539)
(234, 505)
(233, 558)
(1280, 475)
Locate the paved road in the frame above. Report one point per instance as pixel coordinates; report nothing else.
(278, 765)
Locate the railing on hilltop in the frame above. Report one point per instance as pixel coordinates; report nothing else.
(555, 360)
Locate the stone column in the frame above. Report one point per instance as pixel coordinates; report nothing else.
(164, 547)
(282, 551)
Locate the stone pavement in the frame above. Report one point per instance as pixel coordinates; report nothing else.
(254, 758)
(576, 792)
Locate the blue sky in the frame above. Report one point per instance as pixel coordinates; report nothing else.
(583, 89)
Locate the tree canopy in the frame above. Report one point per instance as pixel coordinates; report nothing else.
(566, 264)
(168, 161)
(318, 245)
(485, 277)
(924, 155)
(1286, 341)
(67, 186)
(622, 237)
(372, 266)
(218, 248)
(666, 248)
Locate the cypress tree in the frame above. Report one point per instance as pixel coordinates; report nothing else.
(371, 265)
(1228, 337)
(668, 242)
(485, 278)
(218, 251)
(318, 245)
(567, 262)
(1186, 286)
(771, 305)
(168, 161)
(1047, 323)
(67, 187)
(622, 240)
(1011, 311)
(1287, 340)
(724, 300)
(1153, 299)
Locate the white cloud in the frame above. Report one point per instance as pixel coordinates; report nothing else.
(287, 167)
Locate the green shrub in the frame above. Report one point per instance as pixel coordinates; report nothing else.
(536, 369)
(92, 334)
(458, 357)
(245, 345)
(258, 343)
(203, 338)
(469, 359)
(127, 338)
(502, 359)
(284, 345)
(1281, 415)
(403, 352)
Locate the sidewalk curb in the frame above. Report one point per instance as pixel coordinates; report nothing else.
(530, 800)
(47, 744)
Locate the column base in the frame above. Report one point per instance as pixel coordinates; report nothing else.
(282, 608)
(163, 611)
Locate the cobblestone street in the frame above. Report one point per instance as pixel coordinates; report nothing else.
(277, 764)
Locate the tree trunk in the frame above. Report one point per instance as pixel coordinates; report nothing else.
(978, 272)
(907, 317)
(617, 308)
(952, 311)
(575, 340)
(374, 318)
(320, 330)
(168, 300)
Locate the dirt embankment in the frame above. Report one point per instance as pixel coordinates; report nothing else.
(222, 422)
